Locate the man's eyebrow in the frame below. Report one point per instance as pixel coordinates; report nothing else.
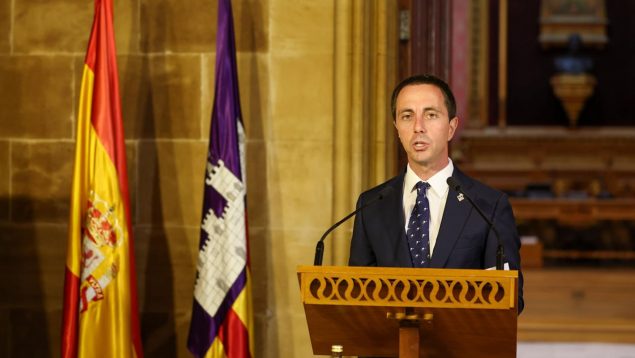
(405, 110)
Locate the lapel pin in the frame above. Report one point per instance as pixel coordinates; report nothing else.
(460, 197)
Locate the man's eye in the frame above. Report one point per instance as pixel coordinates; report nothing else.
(432, 115)
(406, 117)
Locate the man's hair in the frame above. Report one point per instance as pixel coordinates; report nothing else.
(450, 103)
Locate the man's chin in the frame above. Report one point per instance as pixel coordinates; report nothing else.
(419, 162)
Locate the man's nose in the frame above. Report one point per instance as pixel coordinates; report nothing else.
(419, 125)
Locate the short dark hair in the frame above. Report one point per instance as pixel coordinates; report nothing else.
(426, 79)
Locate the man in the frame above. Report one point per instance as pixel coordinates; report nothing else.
(429, 224)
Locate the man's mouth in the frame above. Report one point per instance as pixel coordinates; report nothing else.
(420, 145)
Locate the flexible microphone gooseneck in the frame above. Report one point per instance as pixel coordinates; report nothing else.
(456, 186)
(319, 249)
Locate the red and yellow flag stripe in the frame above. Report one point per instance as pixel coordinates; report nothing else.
(100, 298)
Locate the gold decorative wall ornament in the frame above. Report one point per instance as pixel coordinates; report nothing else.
(573, 90)
(559, 19)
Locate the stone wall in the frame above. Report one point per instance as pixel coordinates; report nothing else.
(166, 69)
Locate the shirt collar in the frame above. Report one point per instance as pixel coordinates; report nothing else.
(438, 182)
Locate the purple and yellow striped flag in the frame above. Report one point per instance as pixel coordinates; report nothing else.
(100, 296)
(222, 324)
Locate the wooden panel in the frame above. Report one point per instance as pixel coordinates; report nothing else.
(593, 161)
(578, 305)
(586, 181)
(531, 255)
(574, 211)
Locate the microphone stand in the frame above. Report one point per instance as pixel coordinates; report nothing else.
(319, 248)
(454, 184)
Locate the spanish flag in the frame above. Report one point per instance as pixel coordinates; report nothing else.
(100, 297)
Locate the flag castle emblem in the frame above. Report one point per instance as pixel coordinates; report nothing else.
(227, 256)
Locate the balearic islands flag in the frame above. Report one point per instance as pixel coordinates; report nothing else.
(221, 323)
(100, 297)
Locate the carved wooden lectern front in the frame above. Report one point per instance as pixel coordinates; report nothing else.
(410, 313)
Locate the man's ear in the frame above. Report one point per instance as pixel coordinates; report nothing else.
(454, 124)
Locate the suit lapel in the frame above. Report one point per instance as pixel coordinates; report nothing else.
(454, 218)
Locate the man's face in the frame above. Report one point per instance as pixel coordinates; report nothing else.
(424, 127)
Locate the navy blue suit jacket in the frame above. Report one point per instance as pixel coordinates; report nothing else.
(464, 240)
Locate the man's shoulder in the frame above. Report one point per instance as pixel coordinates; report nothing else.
(476, 186)
(393, 184)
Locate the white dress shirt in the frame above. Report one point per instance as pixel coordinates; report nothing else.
(437, 195)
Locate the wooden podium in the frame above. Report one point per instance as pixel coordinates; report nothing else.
(410, 313)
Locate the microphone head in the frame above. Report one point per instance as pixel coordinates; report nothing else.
(454, 184)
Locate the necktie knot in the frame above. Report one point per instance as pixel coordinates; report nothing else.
(422, 188)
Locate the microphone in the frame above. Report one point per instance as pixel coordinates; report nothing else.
(319, 249)
(455, 185)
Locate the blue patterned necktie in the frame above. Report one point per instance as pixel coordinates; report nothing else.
(419, 227)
